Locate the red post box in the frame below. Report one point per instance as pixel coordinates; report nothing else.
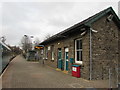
(76, 71)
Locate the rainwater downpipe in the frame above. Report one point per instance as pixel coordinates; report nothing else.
(94, 31)
(90, 30)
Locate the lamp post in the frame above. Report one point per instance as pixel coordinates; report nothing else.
(27, 43)
(32, 42)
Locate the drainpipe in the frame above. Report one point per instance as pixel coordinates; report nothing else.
(90, 54)
(94, 31)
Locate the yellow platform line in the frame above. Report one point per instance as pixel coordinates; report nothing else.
(58, 69)
(66, 72)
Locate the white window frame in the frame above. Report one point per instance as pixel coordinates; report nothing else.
(52, 52)
(46, 53)
(52, 56)
(79, 62)
(48, 47)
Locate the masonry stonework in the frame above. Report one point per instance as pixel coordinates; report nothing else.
(70, 43)
(104, 48)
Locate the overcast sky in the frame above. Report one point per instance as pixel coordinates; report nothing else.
(41, 18)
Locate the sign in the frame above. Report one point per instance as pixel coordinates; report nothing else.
(49, 48)
(74, 69)
(39, 47)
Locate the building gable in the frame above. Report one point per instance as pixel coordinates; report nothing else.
(85, 23)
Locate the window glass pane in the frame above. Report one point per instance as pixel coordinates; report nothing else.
(78, 50)
(77, 44)
(80, 43)
(77, 55)
(80, 56)
(52, 55)
(52, 52)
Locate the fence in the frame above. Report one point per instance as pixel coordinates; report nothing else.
(114, 77)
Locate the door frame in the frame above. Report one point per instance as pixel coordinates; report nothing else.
(59, 62)
(66, 60)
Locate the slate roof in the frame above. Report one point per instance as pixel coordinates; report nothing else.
(87, 22)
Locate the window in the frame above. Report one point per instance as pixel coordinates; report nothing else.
(46, 52)
(78, 51)
(52, 52)
(48, 47)
(42, 51)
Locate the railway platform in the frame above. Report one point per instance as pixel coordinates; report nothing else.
(28, 74)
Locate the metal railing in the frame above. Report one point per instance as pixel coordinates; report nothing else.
(113, 77)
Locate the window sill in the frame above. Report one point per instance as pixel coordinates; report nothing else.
(79, 62)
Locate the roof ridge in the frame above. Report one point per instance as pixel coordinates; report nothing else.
(86, 22)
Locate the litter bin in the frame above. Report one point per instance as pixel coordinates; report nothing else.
(76, 71)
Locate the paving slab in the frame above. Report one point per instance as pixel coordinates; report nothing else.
(26, 74)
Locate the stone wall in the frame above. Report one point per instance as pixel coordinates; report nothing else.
(104, 48)
(70, 43)
(119, 55)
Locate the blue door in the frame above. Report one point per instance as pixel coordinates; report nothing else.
(59, 59)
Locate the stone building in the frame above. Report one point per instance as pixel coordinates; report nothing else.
(92, 44)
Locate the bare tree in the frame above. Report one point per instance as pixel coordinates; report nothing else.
(26, 43)
(37, 41)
